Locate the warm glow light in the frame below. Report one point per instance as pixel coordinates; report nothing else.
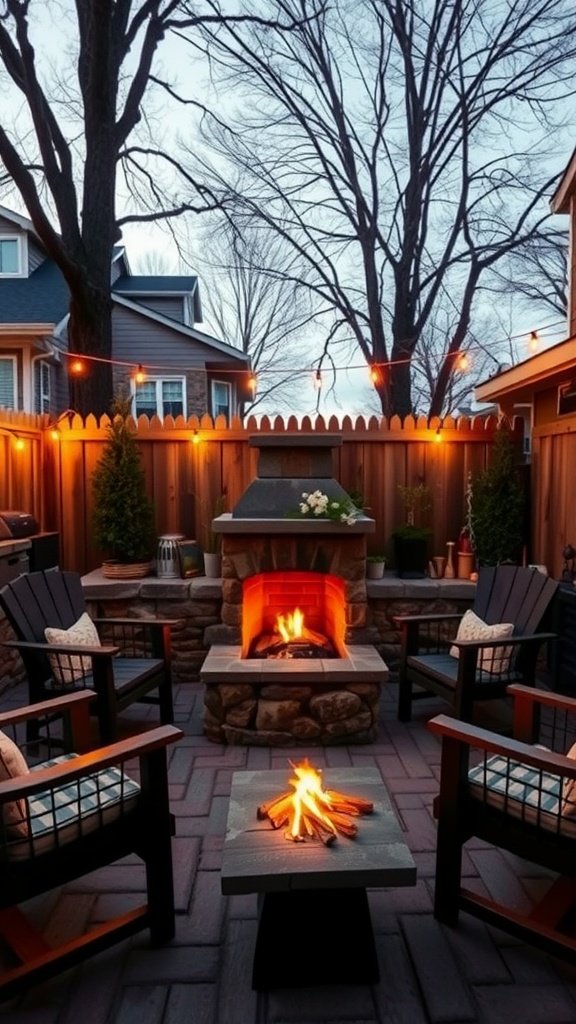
(195, 437)
(438, 436)
(312, 812)
(253, 384)
(463, 363)
(140, 375)
(533, 342)
(77, 367)
(290, 626)
(55, 434)
(375, 375)
(19, 444)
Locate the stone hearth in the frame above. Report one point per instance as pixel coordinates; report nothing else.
(267, 702)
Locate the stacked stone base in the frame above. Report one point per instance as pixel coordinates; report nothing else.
(279, 715)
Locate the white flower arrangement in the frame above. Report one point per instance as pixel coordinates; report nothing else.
(319, 506)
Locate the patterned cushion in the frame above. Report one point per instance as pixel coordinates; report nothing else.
(12, 764)
(495, 660)
(522, 791)
(68, 669)
(66, 812)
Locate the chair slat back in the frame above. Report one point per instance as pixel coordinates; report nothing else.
(510, 593)
(39, 599)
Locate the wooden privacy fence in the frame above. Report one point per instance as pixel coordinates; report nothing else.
(50, 475)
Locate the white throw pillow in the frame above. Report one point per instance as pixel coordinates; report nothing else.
(495, 660)
(13, 764)
(67, 670)
(569, 790)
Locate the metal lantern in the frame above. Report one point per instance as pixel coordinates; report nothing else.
(167, 559)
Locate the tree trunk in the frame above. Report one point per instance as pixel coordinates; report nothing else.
(90, 333)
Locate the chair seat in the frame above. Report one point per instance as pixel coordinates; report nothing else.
(444, 669)
(521, 791)
(64, 813)
(128, 674)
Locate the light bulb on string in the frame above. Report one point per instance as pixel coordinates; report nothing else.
(140, 375)
(318, 380)
(253, 384)
(375, 375)
(77, 368)
(533, 342)
(463, 363)
(438, 436)
(195, 437)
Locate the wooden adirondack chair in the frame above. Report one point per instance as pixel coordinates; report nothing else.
(63, 816)
(483, 669)
(519, 795)
(129, 662)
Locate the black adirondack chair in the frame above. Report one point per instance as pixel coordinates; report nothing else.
(504, 594)
(133, 663)
(519, 795)
(77, 814)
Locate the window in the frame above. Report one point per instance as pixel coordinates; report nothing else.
(10, 262)
(221, 399)
(8, 382)
(42, 387)
(567, 398)
(160, 396)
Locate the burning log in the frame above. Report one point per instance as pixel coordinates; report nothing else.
(310, 812)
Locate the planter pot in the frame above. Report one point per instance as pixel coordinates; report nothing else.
(212, 564)
(114, 570)
(410, 557)
(375, 570)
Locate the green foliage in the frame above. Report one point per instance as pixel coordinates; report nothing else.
(123, 519)
(212, 540)
(416, 499)
(497, 505)
(410, 532)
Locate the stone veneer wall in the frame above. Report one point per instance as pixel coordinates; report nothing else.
(198, 604)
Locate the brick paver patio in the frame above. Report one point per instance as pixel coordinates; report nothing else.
(429, 973)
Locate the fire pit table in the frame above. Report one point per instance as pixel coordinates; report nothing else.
(314, 924)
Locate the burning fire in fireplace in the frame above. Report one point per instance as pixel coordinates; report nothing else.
(292, 639)
(309, 811)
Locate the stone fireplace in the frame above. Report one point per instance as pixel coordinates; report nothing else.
(273, 563)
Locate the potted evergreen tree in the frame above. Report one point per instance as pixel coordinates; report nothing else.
(497, 505)
(123, 516)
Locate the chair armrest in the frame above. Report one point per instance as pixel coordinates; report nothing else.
(101, 651)
(435, 617)
(67, 704)
(472, 736)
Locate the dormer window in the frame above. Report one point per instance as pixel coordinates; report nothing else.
(11, 256)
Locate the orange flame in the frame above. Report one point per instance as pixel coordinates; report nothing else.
(309, 796)
(290, 626)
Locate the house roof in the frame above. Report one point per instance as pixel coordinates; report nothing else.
(519, 382)
(560, 201)
(42, 297)
(164, 284)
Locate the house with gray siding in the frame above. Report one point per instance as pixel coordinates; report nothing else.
(184, 371)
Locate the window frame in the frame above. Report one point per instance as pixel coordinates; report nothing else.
(44, 394)
(12, 359)
(228, 385)
(22, 254)
(158, 381)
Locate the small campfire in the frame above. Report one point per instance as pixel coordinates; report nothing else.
(308, 811)
(292, 639)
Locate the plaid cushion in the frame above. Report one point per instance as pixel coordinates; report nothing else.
(522, 791)
(64, 813)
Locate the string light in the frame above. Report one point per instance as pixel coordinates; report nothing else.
(195, 437)
(18, 442)
(438, 436)
(253, 384)
(533, 342)
(376, 370)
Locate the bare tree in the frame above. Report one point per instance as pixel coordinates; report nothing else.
(402, 149)
(253, 303)
(537, 272)
(68, 153)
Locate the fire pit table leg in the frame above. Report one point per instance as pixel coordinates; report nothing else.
(314, 937)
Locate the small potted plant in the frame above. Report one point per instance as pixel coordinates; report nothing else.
(375, 565)
(212, 542)
(411, 540)
(123, 516)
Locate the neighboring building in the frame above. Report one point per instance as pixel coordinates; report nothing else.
(542, 389)
(154, 321)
